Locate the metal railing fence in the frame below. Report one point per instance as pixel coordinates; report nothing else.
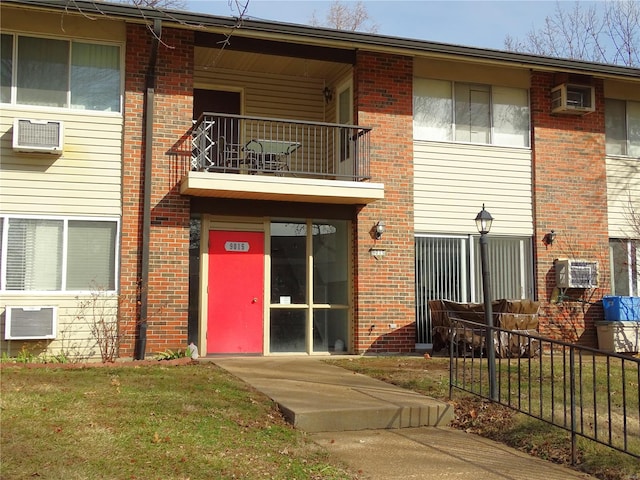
(256, 145)
(585, 391)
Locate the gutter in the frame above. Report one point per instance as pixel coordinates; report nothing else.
(148, 121)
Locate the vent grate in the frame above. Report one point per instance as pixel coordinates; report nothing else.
(30, 323)
(576, 273)
(37, 135)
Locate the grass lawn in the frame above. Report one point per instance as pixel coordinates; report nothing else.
(195, 421)
(148, 422)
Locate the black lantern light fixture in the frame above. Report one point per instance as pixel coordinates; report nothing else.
(328, 95)
(484, 220)
(549, 238)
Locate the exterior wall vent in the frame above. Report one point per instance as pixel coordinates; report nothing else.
(576, 273)
(30, 323)
(573, 99)
(39, 136)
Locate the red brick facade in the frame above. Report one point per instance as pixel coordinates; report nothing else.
(167, 290)
(570, 197)
(385, 288)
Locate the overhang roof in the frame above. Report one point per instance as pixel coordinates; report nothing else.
(324, 37)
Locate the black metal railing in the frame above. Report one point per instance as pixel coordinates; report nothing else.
(255, 145)
(588, 392)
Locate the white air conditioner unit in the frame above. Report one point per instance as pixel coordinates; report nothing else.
(30, 323)
(576, 273)
(573, 99)
(39, 136)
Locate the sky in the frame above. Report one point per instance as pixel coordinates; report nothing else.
(474, 23)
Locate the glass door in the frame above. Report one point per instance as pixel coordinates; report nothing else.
(309, 286)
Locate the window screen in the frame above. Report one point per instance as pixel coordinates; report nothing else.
(34, 254)
(95, 77)
(91, 255)
(43, 71)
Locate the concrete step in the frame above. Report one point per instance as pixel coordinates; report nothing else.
(317, 397)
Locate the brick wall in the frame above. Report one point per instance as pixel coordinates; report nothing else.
(385, 288)
(167, 290)
(570, 197)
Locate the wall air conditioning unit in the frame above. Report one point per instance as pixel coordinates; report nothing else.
(573, 99)
(38, 136)
(576, 273)
(30, 323)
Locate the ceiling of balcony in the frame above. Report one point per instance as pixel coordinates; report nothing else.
(208, 58)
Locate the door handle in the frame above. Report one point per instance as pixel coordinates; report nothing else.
(255, 300)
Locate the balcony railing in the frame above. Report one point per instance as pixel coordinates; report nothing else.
(254, 145)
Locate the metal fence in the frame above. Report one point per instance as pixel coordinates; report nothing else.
(256, 145)
(588, 392)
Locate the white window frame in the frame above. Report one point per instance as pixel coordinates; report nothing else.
(492, 100)
(630, 272)
(4, 221)
(630, 150)
(67, 107)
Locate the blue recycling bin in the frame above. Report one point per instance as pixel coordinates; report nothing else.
(621, 309)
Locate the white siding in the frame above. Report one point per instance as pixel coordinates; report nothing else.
(269, 95)
(452, 181)
(73, 333)
(623, 195)
(84, 180)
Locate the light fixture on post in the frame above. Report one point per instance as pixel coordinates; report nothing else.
(328, 94)
(378, 229)
(483, 223)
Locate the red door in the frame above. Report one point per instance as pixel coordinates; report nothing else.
(236, 292)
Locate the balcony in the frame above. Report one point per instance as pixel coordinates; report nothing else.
(237, 156)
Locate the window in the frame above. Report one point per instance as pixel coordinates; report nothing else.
(60, 73)
(510, 268)
(6, 67)
(625, 258)
(310, 288)
(58, 254)
(473, 113)
(448, 268)
(622, 127)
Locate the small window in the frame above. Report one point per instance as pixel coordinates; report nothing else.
(622, 127)
(624, 256)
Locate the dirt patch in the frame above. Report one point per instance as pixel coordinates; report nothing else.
(117, 364)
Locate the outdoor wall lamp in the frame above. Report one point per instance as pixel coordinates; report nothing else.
(328, 94)
(379, 229)
(549, 238)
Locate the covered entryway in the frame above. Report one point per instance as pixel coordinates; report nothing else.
(279, 286)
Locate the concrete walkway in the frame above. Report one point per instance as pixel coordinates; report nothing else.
(382, 431)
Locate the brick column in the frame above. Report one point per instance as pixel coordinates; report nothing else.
(570, 197)
(167, 290)
(385, 287)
